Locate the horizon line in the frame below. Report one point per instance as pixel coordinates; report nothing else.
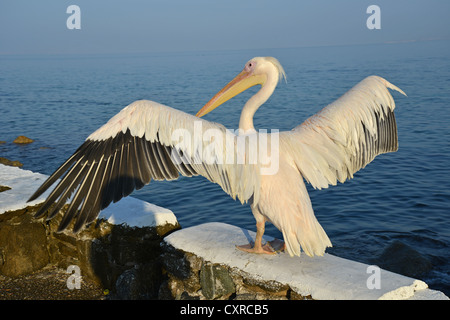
(402, 41)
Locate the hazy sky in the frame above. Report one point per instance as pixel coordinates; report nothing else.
(185, 25)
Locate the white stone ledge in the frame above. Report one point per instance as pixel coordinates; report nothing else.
(129, 210)
(323, 278)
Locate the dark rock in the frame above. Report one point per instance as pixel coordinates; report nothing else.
(216, 281)
(164, 292)
(127, 286)
(401, 258)
(139, 282)
(175, 262)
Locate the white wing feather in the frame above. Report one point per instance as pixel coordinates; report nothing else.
(346, 135)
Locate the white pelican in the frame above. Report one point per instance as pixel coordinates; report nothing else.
(137, 145)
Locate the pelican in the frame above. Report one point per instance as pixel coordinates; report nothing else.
(137, 145)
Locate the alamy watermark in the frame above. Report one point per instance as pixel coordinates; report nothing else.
(374, 280)
(374, 20)
(218, 146)
(74, 20)
(74, 280)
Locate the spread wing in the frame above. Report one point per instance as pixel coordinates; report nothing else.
(346, 135)
(144, 141)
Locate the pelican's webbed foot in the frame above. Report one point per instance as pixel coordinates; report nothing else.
(271, 247)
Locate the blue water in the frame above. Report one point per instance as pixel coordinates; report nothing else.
(59, 100)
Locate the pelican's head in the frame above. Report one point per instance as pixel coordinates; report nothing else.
(259, 70)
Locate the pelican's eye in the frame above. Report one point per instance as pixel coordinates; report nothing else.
(250, 65)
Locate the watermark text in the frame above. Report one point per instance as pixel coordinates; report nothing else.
(74, 20)
(374, 20)
(74, 280)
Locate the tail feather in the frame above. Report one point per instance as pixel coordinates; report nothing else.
(300, 228)
(307, 235)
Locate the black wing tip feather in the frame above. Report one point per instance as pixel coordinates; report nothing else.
(101, 172)
(33, 197)
(384, 141)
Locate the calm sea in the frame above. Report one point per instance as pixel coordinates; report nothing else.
(58, 100)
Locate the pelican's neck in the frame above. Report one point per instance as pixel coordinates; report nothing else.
(253, 104)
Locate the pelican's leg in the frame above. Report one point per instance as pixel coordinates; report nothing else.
(258, 247)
